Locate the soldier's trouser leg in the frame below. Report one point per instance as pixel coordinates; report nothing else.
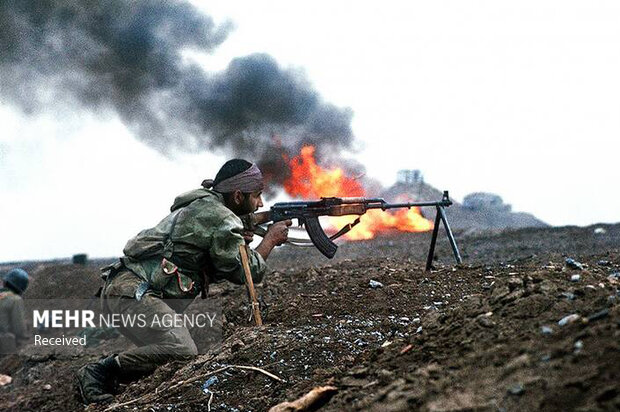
(8, 343)
(156, 343)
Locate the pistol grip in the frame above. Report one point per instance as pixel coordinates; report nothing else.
(319, 238)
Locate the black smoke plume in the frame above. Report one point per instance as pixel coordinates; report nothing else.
(127, 57)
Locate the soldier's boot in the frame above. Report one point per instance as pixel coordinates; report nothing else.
(95, 381)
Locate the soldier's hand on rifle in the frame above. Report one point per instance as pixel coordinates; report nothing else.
(278, 232)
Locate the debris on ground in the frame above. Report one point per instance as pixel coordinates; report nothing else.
(573, 264)
(374, 284)
(5, 380)
(205, 386)
(569, 319)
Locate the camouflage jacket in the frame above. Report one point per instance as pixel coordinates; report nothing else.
(12, 314)
(201, 242)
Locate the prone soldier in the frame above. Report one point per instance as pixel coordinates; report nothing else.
(173, 262)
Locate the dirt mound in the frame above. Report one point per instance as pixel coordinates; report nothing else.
(50, 281)
(505, 348)
(484, 336)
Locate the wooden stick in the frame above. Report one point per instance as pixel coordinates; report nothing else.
(249, 283)
(254, 368)
(149, 397)
(311, 401)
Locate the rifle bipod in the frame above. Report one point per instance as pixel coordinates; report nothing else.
(441, 216)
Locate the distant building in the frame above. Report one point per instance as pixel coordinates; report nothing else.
(482, 201)
(409, 177)
(479, 211)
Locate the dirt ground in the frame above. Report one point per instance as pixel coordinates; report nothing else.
(477, 337)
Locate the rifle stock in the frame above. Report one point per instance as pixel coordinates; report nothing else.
(252, 220)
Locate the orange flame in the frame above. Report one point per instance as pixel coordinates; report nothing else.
(308, 180)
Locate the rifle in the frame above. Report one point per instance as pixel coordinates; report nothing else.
(308, 212)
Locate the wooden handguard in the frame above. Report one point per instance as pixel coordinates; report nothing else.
(350, 209)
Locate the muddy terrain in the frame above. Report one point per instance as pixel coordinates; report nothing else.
(491, 334)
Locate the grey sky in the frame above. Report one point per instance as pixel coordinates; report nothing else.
(517, 98)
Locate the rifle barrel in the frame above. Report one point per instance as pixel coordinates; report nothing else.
(385, 206)
(411, 204)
